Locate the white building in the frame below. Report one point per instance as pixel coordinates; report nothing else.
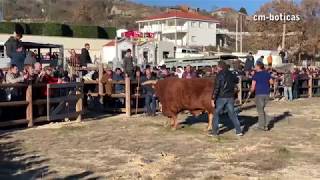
(149, 52)
(114, 51)
(120, 32)
(181, 28)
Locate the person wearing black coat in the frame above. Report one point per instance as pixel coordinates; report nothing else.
(85, 56)
(12, 44)
(223, 95)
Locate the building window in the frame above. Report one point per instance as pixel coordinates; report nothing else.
(193, 24)
(203, 24)
(193, 39)
(171, 22)
(165, 54)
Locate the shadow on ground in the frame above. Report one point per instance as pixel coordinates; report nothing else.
(17, 164)
(245, 121)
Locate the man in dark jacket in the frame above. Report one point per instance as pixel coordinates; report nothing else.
(18, 57)
(12, 44)
(85, 56)
(249, 64)
(223, 95)
(148, 91)
(128, 64)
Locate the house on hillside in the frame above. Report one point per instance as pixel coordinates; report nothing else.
(181, 28)
(223, 12)
(115, 50)
(120, 10)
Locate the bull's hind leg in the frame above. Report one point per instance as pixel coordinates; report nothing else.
(210, 118)
(174, 122)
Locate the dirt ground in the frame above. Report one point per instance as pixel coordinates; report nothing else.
(117, 147)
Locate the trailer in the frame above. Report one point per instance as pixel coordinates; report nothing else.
(38, 49)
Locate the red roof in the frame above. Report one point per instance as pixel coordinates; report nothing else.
(111, 43)
(225, 9)
(181, 15)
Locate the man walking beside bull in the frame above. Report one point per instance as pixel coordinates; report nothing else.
(223, 97)
(261, 86)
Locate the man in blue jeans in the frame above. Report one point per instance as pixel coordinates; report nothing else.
(223, 95)
(261, 86)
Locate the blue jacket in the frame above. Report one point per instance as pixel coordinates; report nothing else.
(119, 88)
(18, 59)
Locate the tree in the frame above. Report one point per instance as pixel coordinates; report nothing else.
(243, 10)
(310, 10)
(268, 34)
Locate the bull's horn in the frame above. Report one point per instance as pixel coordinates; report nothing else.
(149, 82)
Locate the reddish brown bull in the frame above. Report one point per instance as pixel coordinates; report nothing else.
(177, 95)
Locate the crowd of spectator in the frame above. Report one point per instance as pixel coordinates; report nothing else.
(25, 68)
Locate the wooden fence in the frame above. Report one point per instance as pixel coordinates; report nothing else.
(30, 102)
(73, 98)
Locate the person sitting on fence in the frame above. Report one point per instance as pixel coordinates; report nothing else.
(85, 56)
(12, 44)
(288, 82)
(128, 64)
(189, 73)
(18, 57)
(148, 91)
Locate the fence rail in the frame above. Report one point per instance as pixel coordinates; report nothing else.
(30, 102)
(308, 87)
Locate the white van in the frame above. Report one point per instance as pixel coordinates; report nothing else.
(187, 53)
(4, 59)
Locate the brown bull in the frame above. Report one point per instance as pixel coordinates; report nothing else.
(177, 95)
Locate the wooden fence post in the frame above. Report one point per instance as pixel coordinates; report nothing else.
(128, 96)
(100, 85)
(310, 86)
(79, 104)
(100, 76)
(29, 110)
(240, 90)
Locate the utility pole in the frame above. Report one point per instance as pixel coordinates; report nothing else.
(284, 36)
(241, 32)
(175, 34)
(237, 35)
